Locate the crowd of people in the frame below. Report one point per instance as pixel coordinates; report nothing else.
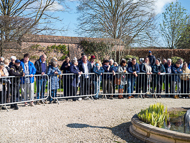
(89, 76)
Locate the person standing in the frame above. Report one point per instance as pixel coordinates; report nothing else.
(86, 67)
(108, 79)
(176, 71)
(122, 70)
(158, 69)
(98, 70)
(76, 78)
(66, 78)
(53, 71)
(146, 78)
(17, 71)
(152, 59)
(185, 80)
(27, 83)
(13, 58)
(168, 68)
(41, 69)
(133, 69)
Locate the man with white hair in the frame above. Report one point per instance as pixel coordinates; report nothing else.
(2, 59)
(41, 69)
(168, 68)
(13, 58)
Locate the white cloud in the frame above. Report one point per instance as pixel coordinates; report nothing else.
(56, 6)
(159, 5)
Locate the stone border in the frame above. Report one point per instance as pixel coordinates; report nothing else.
(150, 134)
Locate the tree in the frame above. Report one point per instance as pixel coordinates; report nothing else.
(174, 24)
(184, 41)
(20, 17)
(117, 19)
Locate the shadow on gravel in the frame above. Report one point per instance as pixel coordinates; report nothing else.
(121, 130)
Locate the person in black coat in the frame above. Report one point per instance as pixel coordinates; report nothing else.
(158, 69)
(66, 78)
(86, 67)
(42, 69)
(17, 71)
(152, 59)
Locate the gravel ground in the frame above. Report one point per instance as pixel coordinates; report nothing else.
(81, 121)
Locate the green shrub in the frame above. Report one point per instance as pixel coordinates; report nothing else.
(154, 115)
(175, 59)
(34, 57)
(131, 56)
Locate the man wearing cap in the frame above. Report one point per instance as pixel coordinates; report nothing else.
(152, 59)
(157, 69)
(13, 58)
(16, 70)
(107, 79)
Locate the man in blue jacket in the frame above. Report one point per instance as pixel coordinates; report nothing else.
(27, 82)
(86, 67)
(176, 70)
(157, 69)
(133, 68)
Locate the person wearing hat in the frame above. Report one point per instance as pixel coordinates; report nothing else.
(157, 69)
(107, 79)
(152, 59)
(16, 70)
(3, 96)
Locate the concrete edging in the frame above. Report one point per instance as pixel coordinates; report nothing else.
(150, 134)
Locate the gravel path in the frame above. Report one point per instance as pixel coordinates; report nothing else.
(81, 121)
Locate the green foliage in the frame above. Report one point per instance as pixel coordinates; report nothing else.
(35, 46)
(131, 56)
(175, 59)
(99, 49)
(34, 57)
(154, 115)
(175, 23)
(177, 113)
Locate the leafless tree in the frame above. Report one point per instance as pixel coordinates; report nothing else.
(118, 19)
(20, 17)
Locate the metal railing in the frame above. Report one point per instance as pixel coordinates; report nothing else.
(15, 90)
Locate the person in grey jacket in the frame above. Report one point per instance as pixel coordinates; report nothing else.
(122, 69)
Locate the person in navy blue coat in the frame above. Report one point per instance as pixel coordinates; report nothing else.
(86, 67)
(176, 69)
(76, 78)
(107, 79)
(157, 69)
(168, 81)
(66, 78)
(133, 69)
(98, 70)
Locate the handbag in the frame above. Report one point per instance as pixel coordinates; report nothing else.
(118, 81)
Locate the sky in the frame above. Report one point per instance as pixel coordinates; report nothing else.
(70, 15)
